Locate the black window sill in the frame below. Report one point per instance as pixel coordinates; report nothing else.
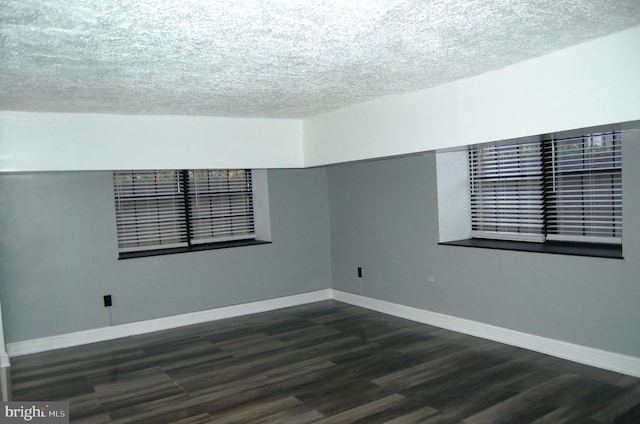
(192, 248)
(598, 250)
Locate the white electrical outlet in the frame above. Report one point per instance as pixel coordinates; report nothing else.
(431, 279)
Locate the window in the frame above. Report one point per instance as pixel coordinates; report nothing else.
(583, 189)
(567, 190)
(171, 211)
(506, 187)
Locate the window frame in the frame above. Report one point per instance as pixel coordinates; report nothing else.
(506, 191)
(189, 243)
(547, 243)
(591, 171)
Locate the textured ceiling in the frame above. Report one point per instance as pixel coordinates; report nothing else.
(270, 58)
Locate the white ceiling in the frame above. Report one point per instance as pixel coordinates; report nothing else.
(271, 58)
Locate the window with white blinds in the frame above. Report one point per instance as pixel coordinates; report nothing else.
(564, 190)
(506, 191)
(150, 209)
(165, 209)
(220, 205)
(583, 186)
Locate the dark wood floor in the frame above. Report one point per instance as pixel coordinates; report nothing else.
(323, 362)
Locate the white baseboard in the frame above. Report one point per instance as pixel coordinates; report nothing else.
(612, 361)
(142, 327)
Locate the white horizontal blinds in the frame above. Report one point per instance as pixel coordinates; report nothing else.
(506, 191)
(584, 188)
(149, 209)
(220, 205)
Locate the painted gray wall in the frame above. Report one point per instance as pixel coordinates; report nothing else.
(58, 253)
(58, 256)
(384, 217)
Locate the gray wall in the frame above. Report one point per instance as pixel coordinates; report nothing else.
(384, 217)
(58, 256)
(58, 253)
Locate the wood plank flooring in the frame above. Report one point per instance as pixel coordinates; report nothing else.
(326, 362)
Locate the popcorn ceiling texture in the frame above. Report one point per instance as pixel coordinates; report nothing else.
(271, 58)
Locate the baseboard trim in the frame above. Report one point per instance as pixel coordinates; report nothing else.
(44, 344)
(612, 361)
